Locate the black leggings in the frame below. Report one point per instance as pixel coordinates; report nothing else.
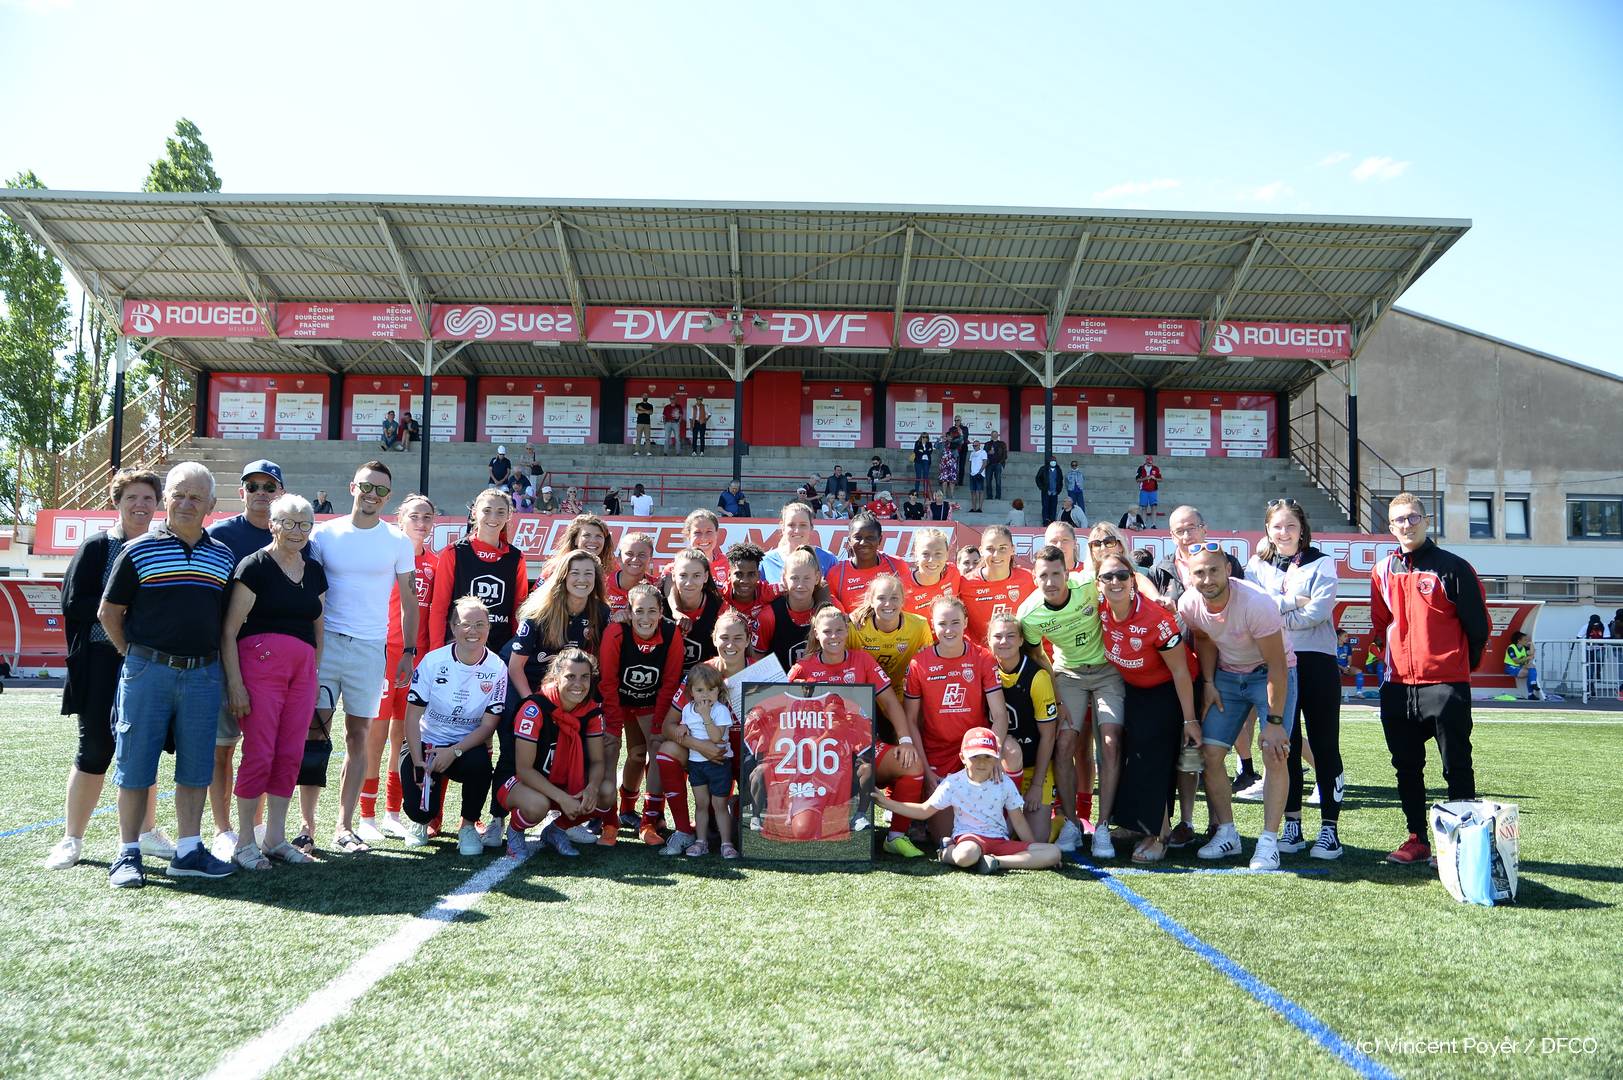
(1318, 708)
(471, 770)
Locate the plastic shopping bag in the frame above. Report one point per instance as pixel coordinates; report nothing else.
(1477, 845)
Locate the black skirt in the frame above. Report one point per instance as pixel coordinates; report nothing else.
(1149, 757)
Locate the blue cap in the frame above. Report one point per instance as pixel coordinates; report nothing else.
(266, 466)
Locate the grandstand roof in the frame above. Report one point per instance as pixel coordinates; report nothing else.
(815, 256)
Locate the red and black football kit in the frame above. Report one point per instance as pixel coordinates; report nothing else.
(559, 735)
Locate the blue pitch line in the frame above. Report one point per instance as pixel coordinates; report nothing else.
(1294, 1014)
(1216, 871)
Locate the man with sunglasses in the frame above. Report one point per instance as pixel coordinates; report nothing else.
(366, 560)
(244, 534)
(1428, 609)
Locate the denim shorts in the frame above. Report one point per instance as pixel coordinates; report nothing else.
(151, 697)
(1242, 692)
(714, 776)
(977, 483)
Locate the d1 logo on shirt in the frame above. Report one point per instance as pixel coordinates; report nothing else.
(489, 588)
(797, 653)
(641, 677)
(691, 652)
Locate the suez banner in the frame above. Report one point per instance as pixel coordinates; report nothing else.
(31, 629)
(60, 532)
(705, 326)
(1352, 618)
(542, 411)
(289, 407)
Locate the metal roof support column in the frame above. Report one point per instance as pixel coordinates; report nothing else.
(1063, 300)
(123, 356)
(1048, 407)
(410, 283)
(1355, 512)
(1220, 310)
(242, 272)
(89, 280)
(739, 375)
(566, 260)
(901, 304)
(427, 417)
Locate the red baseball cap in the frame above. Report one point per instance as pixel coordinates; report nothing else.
(979, 740)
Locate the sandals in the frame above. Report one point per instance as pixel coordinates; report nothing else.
(1151, 851)
(251, 858)
(728, 851)
(304, 842)
(349, 843)
(697, 848)
(288, 853)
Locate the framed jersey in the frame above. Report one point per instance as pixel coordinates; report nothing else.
(807, 773)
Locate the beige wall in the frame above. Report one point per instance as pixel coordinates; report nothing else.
(1490, 416)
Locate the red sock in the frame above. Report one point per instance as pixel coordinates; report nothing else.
(519, 821)
(607, 818)
(628, 801)
(1084, 805)
(673, 777)
(907, 789)
(369, 797)
(653, 808)
(393, 797)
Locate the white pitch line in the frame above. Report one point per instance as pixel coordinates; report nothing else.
(259, 1055)
(1478, 721)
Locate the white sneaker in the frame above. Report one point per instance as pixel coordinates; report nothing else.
(222, 847)
(157, 845)
(467, 841)
(678, 843)
(392, 826)
(1070, 836)
(755, 823)
(1291, 839)
(368, 830)
(1224, 845)
(1252, 792)
(492, 836)
(860, 822)
(1102, 847)
(1328, 845)
(65, 853)
(581, 834)
(1266, 854)
(416, 833)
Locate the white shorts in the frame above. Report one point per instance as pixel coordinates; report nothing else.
(352, 671)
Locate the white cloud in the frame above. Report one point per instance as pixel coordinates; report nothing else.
(1335, 158)
(1379, 168)
(1270, 191)
(1137, 187)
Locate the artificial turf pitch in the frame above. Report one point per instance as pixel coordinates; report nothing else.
(622, 963)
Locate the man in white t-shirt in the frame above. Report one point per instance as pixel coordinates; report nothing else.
(642, 503)
(977, 477)
(366, 559)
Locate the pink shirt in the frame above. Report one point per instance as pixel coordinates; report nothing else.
(1249, 614)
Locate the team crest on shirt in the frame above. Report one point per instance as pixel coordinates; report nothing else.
(1136, 642)
(969, 673)
(1014, 592)
(1425, 585)
(485, 686)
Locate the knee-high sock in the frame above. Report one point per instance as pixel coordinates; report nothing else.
(369, 797)
(673, 777)
(905, 789)
(628, 801)
(392, 795)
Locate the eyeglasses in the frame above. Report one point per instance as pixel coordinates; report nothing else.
(1407, 520)
(1194, 549)
(380, 490)
(1115, 575)
(296, 526)
(254, 487)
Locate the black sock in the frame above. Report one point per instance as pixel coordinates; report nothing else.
(1246, 766)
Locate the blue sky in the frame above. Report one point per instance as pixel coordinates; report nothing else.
(1507, 114)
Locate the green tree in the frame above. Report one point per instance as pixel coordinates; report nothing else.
(187, 163)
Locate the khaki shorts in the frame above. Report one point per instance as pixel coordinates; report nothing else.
(352, 671)
(1096, 686)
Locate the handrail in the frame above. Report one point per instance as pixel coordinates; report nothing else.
(153, 429)
(596, 482)
(1321, 454)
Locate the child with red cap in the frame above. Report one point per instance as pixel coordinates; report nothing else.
(984, 804)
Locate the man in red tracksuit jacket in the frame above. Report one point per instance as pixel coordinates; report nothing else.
(1427, 608)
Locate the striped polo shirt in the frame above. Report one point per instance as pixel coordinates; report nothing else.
(175, 592)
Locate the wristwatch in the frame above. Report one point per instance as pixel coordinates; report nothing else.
(457, 750)
(1280, 720)
(409, 650)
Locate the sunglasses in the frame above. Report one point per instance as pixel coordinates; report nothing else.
(254, 487)
(380, 490)
(1106, 542)
(1277, 504)
(1207, 546)
(1406, 520)
(1115, 575)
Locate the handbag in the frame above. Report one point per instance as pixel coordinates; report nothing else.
(317, 753)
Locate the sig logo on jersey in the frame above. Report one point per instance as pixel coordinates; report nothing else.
(489, 588)
(640, 677)
(953, 697)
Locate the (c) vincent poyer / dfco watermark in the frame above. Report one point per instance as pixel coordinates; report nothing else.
(1486, 1046)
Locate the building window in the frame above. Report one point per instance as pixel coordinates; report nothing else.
(1609, 590)
(1481, 515)
(1551, 588)
(1517, 519)
(1595, 517)
(1496, 588)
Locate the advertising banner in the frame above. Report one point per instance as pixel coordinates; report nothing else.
(292, 407)
(368, 399)
(31, 631)
(540, 411)
(800, 774)
(193, 319)
(1290, 341)
(836, 415)
(932, 409)
(1089, 421)
(1091, 333)
(716, 393)
(974, 333)
(503, 322)
(1204, 423)
(348, 322)
(1505, 618)
(716, 326)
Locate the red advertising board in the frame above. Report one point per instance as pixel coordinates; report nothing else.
(1322, 341)
(348, 322)
(193, 319)
(1093, 333)
(974, 333)
(913, 408)
(503, 322)
(368, 398)
(1095, 420)
(1206, 423)
(1352, 616)
(540, 411)
(836, 415)
(717, 395)
(31, 631)
(706, 326)
(268, 406)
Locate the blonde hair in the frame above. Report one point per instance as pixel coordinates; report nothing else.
(924, 536)
(550, 603)
(1404, 498)
(802, 554)
(867, 611)
(1103, 530)
(639, 592)
(1000, 617)
(467, 603)
(629, 539)
(813, 638)
(948, 600)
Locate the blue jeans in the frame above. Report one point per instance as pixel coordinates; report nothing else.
(1241, 692)
(1078, 500)
(994, 480)
(151, 697)
(921, 474)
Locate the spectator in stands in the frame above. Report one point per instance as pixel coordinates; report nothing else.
(912, 507)
(939, 508)
(997, 456)
(732, 502)
(532, 464)
(1144, 558)
(1071, 514)
(1132, 520)
(93, 669)
(571, 506)
(1017, 514)
(611, 502)
(922, 453)
(957, 439)
(1050, 485)
(645, 428)
(501, 467)
(642, 503)
(1594, 654)
(882, 506)
(410, 430)
(519, 489)
(947, 471)
(1149, 484)
(701, 422)
(835, 508)
(391, 432)
(878, 473)
(838, 483)
(1073, 488)
(977, 477)
(671, 417)
(323, 505)
(548, 503)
